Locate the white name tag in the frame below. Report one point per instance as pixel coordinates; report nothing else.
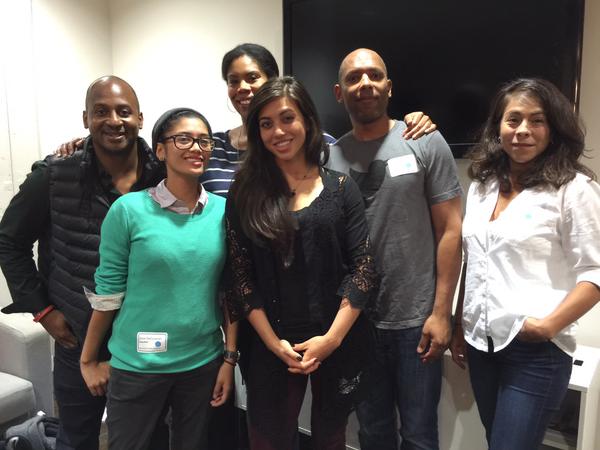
(402, 165)
(152, 342)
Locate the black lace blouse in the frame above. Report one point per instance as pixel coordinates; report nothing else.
(338, 264)
(336, 251)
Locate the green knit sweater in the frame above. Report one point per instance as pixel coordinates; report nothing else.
(169, 266)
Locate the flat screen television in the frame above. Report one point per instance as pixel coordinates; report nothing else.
(445, 57)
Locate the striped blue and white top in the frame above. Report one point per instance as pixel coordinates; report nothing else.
(222, 166)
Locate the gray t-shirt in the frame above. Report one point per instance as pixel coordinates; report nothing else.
(400, 179)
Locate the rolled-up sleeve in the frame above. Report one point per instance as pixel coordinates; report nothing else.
(109, 302)
(580, 229)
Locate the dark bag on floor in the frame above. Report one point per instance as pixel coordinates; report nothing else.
(37, 433)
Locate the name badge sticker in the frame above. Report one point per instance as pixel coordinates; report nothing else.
(148, 342)
(402, 165)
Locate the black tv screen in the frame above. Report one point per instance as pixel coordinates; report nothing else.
(445, 57)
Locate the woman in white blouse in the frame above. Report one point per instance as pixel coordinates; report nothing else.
(531, 237)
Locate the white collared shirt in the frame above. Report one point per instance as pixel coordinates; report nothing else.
(525, 262)
(161, 195)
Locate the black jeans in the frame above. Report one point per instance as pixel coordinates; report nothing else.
(136, 402)
(274, 400)
(79, 412)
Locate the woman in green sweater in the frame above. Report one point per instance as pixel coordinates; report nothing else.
(161, 255)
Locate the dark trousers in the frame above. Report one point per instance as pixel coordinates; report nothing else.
(79, 412)
(223, 432)
(274, 400)
(137, 400)
(517, 390)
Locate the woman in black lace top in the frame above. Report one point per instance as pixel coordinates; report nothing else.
(302, 274)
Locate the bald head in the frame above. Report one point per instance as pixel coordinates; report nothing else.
(112, 114)
(361, 57)
(112, 84)
(364, 88)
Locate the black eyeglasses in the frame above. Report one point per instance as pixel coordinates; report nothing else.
(185, 142)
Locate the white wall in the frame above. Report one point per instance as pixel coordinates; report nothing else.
(171, 51)
(72, 46)
(50, 51)
(19, 100)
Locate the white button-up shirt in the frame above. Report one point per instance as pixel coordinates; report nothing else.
(525, 262)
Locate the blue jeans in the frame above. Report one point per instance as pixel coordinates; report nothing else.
(517, 389)
(398, 379)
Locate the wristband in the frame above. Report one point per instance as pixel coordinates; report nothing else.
(40, 315)
(231, 363)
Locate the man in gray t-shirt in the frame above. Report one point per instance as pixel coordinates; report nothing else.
(413, 201)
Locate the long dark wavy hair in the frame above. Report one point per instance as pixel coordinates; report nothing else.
(260, 190)
(555, 166)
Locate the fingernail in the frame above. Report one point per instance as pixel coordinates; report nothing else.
(298, 358)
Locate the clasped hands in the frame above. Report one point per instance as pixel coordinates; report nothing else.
(305, 357)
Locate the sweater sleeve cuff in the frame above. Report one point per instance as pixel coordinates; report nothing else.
(108, 302)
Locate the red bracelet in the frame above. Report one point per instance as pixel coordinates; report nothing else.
(231, 363)
(39, 316)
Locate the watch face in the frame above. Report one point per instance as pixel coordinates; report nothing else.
(231, 355)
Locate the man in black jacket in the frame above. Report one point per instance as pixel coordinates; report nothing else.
(61, 205)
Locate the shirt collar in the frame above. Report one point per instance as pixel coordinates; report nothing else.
(166, 200)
